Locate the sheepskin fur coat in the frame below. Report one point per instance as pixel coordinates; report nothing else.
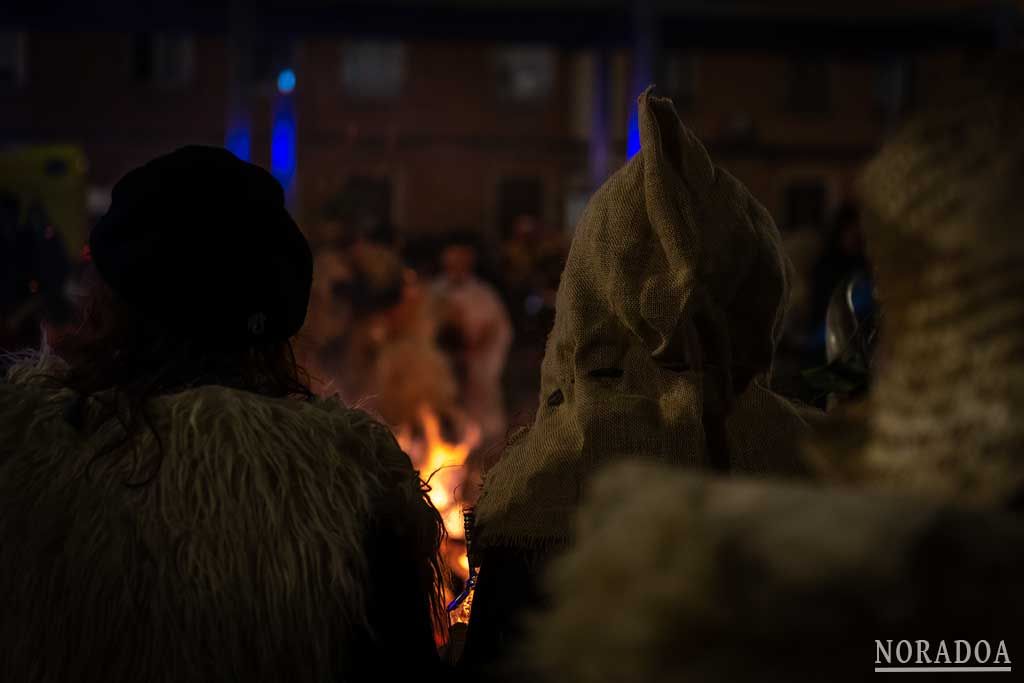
(234, 538)
(679, 577)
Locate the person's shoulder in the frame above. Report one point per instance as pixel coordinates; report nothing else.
(29, 383)
(21, 406)
(241, 410)
(320, 431)
(38, 413)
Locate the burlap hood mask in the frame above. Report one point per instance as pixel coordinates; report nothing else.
(667, 316)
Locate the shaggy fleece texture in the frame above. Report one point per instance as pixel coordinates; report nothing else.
(677, 577)
(945, 233)
(242, 558)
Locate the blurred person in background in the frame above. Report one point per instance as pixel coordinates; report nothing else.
(841, 257)
(802, 242)
(177, 504)
(35, 274)
(476, 330)
(532, 260)
(10, 264)
(531, 265)
(321, 342)
(372, 337)
(517, 261)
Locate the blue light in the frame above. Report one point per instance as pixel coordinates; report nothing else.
(282, 142)
(238, 140)
(286, 81)
(633, 133)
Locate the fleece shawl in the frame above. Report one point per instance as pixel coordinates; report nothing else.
(242, 557)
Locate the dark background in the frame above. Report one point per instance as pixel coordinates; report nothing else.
(409, 120)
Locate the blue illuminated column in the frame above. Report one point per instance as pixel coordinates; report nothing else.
(238, 139)
(283, 133)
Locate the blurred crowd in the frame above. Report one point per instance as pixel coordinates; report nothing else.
(457, 322)
(399, 325)
(454, 322)
(36, 274)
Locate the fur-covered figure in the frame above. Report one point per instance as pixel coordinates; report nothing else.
(234, 538)
(175, 504)
(678, 577)
(944, 230)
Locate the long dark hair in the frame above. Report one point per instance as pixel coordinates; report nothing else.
(121, 358)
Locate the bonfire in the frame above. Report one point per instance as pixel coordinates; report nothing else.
(442, 464)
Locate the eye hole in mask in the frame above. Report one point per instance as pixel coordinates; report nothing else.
(676, 367)
(605, 373)
(556, 398)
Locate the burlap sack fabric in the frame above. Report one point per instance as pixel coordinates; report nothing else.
(678, 577)
(667, 315)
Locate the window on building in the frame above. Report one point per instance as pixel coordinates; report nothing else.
(519, 197)
(164, 59)
(12, 58)
(373, 69)
(679, 79)
(810, 87)
(806, 204)
(894, 86)
(525, 74)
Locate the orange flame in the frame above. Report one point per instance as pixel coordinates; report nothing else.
(441, 463)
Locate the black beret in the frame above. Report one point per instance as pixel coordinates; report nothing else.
(201, 241)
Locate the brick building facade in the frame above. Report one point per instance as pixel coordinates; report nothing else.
(464, 123)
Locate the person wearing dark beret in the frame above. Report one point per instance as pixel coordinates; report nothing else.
(175, 503)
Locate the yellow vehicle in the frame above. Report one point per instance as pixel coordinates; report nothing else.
(43, 231)
(50, 178)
